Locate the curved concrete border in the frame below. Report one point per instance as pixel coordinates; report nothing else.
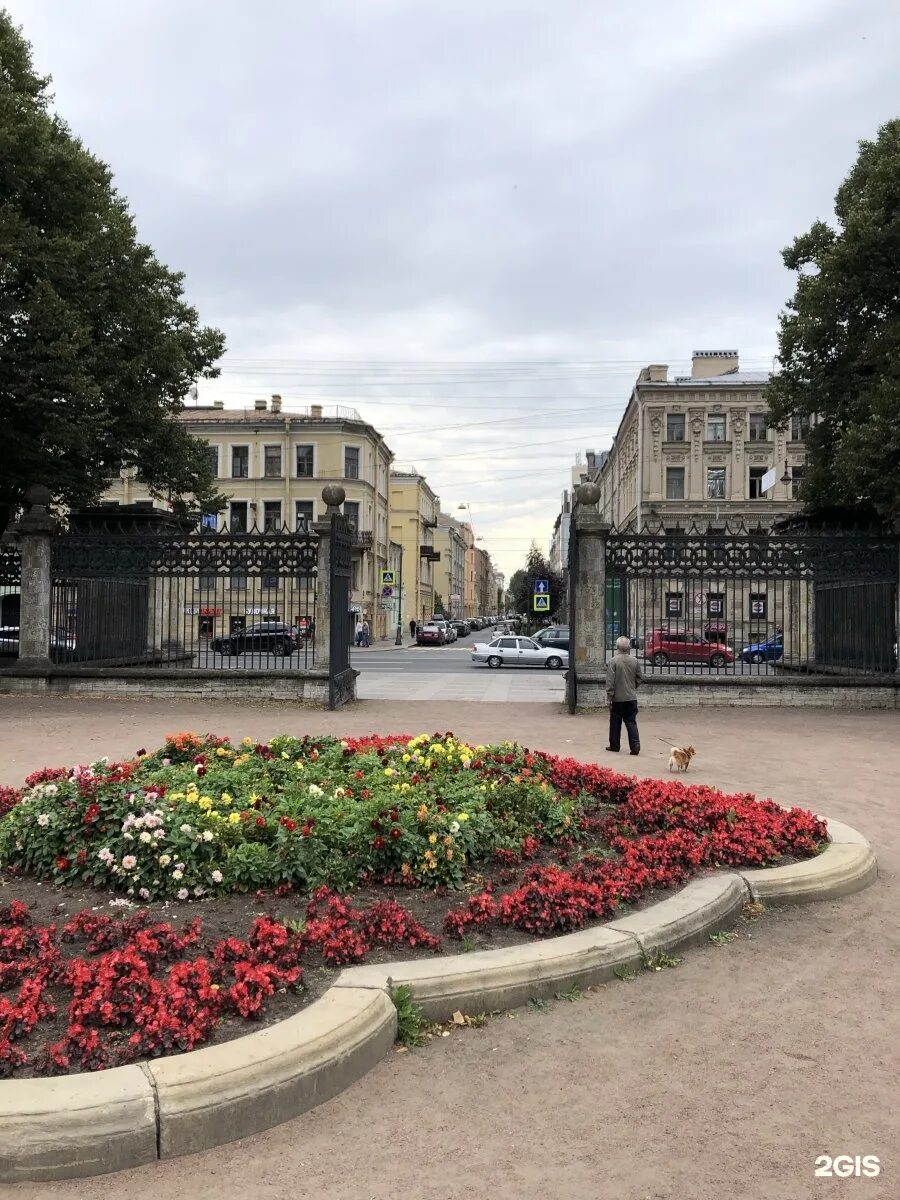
(77, 1125)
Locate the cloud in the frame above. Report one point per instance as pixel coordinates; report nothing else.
(456, 185)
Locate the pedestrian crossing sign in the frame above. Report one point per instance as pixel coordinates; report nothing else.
(388, 578)
(541, 602)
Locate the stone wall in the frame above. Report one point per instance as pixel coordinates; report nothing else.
(310, 687)
(684, 692)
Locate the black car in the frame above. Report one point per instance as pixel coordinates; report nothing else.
(268, 637)
(556, 636)
(463, 628)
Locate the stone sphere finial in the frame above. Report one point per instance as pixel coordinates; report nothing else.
(333, 495)
(587, 494)
(38, 496)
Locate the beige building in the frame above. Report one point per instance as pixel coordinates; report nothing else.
(699, 451)
(450, 572)
(414, 512)
(273, 463)
(697, 448)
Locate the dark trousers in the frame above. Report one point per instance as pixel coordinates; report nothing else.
(624, 710)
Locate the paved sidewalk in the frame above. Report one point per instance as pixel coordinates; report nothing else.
(478, 684)
(721, 1080)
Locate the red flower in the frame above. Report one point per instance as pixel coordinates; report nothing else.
(260, 822)
(289, 825)
(62, 863)
(378, 842)
(91, 813)
(396, 833)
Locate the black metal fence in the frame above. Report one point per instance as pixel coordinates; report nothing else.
(750, 602)
(199, 599)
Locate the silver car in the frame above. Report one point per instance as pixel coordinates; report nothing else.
(506, 651)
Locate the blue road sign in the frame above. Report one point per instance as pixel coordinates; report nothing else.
(387, 578)
(541, 587)
(541, 603)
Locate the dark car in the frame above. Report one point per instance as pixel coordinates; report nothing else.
(431, 634)
(268, 637)
(556, 636)
(463, 628)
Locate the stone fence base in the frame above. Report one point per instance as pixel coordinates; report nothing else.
(676, 691)
(298, 687)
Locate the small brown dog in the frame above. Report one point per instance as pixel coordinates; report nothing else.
(680, 757)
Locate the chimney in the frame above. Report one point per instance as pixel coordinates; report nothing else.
(259, 405)
(315, 410)
(218, 403)
(707, 364)
(655, 373)
(275, 404)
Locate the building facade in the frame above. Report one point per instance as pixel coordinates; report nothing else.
(414, 512)
(272, 466)
(450, 571)
(697, 449)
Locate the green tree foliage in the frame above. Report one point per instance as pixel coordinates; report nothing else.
(839, 341)
(521, 585)
(97, 344)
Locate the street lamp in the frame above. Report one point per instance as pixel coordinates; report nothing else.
(786, 477)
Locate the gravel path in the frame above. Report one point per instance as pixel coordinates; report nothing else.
(722, 1079)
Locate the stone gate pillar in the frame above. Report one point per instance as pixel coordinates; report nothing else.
(33, 533)
(586, 679)
(333, 495)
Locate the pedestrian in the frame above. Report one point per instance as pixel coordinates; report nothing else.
(366, 635)
(412, 627)
(623, 677)
(359, 631)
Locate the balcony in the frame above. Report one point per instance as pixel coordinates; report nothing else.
(429, 553)
(362, 538)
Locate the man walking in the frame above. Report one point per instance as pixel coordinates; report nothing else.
(623, 677)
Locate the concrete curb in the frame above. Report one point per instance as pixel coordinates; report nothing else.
(78, 1125)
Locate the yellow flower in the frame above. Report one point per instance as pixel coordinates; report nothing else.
(234, 818)
(284, 754)
(407, 758)
(449, 854)
(247, 741)
(404, 787)
(221, 752)
(462, 816)
(225, 798)
(389, 771)
(406, 869)
(423, 812)
(299, 766)
(432, 838)
(205, 803)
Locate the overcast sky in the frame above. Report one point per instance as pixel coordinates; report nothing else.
(474, 220)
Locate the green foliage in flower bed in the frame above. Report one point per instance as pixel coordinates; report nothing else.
(202, 816)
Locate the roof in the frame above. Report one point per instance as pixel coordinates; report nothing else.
(213, 415)
(728, 380)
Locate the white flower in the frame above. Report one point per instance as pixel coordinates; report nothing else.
(144, 894)
(216, 877)
(207, 835)
(145, 837)
(184, 828)
(339, 793)
(198, 891)
(176, 874)
(454, 826)
(129, 862)
(179, 866)
(158, 833)
(105, 855)
(165, 859)
(182, 893)
(315, 790)
(43, 820)
(129, 837)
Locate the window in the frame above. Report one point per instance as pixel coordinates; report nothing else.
(351, 462)
(269, 582)
(207, 582)
(239, 581)
(240, 462)
(715, 427)
(674, 483)
(796, 482)
(209, 521)
(272, 516)
(351, 512)
(800, 427)
(758, 430)
(715, 604)
(507, 644)
(674, 604)
(272, 462)
(758, 606)
(213, 452)
(675, 427)
(715, 483)
(238, 520)
(305, 515)
(305, 462)
(756, 478)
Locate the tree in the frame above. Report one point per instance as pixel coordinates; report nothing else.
(839, 342)
(97, 344)
(522, 583)
(438, 604)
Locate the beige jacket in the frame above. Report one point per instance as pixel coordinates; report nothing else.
(623, 677)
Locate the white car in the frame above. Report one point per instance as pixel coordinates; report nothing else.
(506, 651)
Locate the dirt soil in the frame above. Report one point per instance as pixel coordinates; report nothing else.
(722, 1079)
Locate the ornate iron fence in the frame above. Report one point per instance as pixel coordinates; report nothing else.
(198, 599)
(751, 601)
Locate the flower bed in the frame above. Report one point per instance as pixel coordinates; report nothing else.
(484, 841)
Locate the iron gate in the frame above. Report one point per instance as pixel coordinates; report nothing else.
(339, 600)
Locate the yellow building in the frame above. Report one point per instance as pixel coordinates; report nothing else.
(450, 572)
(413, 518)
(272, 464)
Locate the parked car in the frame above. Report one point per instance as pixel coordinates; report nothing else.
(768, 651)
(267, 637)
(9, 641)
(463, 628)
(431, 634)
(519, 652)
(449, 631)
(556, 636)
(662, 647)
